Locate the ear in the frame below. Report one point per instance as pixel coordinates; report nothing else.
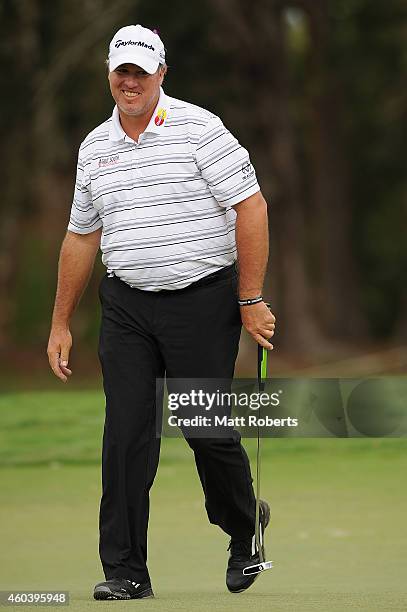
(163, 71)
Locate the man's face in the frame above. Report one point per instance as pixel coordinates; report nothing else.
(134, 90)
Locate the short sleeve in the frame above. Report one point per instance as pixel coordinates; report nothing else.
(225, 165)
(84, 218)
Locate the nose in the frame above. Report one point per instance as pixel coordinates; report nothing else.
(131, 81)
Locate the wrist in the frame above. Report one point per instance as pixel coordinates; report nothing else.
(60, 325)
(249, 293)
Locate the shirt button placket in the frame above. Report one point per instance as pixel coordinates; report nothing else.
(135, 160)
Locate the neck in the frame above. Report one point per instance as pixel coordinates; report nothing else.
(134, 125)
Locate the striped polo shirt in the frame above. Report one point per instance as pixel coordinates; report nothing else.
(164, 203)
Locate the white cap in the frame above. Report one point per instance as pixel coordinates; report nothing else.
(136, 45)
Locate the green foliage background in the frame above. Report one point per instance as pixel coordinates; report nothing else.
(326, 77)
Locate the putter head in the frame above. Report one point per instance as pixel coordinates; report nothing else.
(256, 569)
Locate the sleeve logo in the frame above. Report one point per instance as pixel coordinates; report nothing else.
(247, 170)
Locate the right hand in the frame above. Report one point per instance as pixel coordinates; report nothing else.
(259, 321)
(59, 346)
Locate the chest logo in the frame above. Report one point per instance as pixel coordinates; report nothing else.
(108, 161)
(160, 116)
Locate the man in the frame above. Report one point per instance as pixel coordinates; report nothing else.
(171, 198)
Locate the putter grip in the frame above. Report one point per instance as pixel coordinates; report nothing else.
(262, 362)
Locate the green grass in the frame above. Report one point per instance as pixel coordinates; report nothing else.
(337, 536)
(43, 428)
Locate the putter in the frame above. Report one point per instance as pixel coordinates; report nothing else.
(261, 376)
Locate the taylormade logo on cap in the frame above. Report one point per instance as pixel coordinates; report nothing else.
(136, 45)
(140, 43)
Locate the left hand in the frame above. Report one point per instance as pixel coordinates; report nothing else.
(259, 322)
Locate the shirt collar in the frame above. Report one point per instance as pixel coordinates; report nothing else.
(156, 124)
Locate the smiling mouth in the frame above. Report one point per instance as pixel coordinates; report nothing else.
(130, 94)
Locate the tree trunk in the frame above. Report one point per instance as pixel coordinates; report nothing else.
(17, 157)
(338, 296)
(260, 71)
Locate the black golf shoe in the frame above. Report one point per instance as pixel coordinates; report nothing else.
(244, 553)
(120, 588)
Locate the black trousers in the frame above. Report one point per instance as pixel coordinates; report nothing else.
(187, 333)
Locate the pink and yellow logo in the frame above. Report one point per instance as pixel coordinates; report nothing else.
(160, 116)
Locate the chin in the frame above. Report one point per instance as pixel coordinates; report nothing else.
(130, 111)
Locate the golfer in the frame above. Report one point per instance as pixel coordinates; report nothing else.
(171, 199)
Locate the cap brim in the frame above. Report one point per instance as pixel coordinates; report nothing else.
(146, 63)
